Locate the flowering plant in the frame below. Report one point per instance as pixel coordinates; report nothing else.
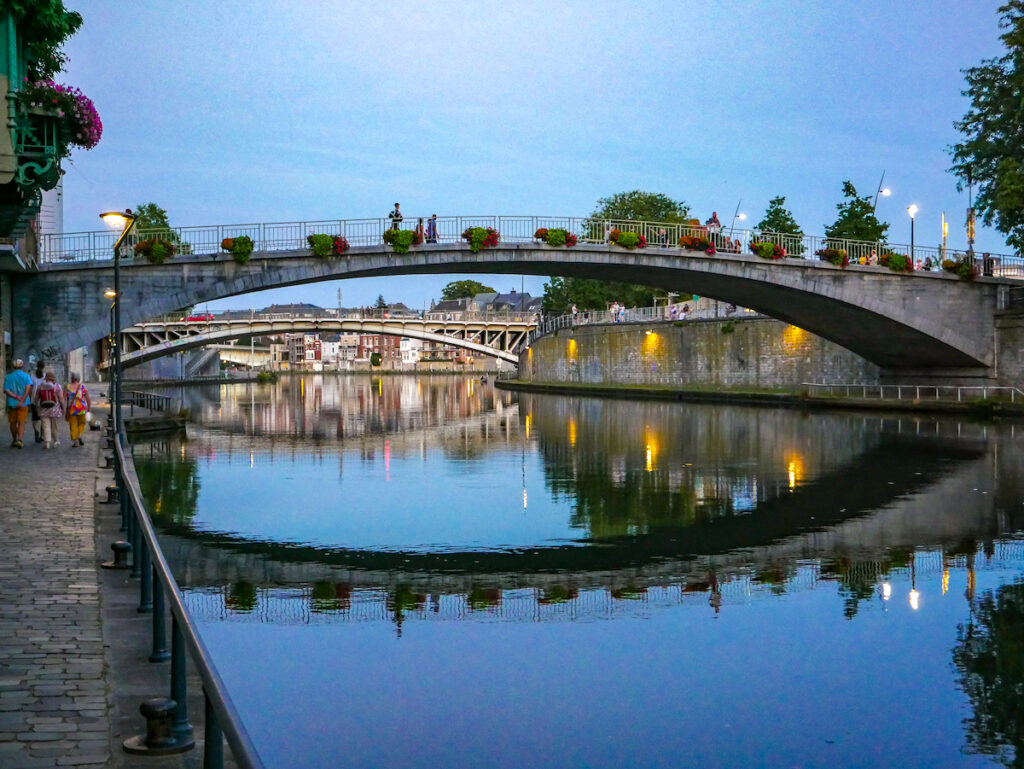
(627, 239)
(400, 240)
(327, 245)
(767, 250)
(555, 237)
(76, 109)
(836, 256)
(698, 243)
(156, 250)
(896, 262)
(479, 237)
(240, 248)
(963, 267)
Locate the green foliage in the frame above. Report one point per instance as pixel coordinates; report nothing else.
(836, 256)
(462, 289)
(990, 151)
(963, 268)
(767, 250)
(240, 248)
(266, 376)
(481, 237)
(896, 262)
(45, 25)
(989, 657)
(587, 294)
(627, 239)
(644, 206)
(376, 359)
(729, 327)
(155, 250)
(322, 245)
(380, 304)
(402, 240)
(856, 220)
(556, 237)
(777, 218)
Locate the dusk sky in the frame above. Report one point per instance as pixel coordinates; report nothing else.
(257, 111)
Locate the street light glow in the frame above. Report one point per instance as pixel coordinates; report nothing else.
(912, 210)
(110, 293)
(741, 217)
(117, 219)
(885, 193)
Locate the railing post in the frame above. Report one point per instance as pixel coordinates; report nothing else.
(213, 750)
(159, 653)
(146, 583)
(137, 545)
(180, 728)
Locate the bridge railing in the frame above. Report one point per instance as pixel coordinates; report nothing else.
(291, 236)
(916, 392)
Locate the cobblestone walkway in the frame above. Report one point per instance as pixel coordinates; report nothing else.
(53, 698)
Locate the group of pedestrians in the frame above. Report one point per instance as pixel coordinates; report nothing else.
(427, 234)
(48, 403)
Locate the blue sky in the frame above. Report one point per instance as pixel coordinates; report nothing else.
(248, 111)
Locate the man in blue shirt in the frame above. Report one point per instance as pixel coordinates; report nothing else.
(18, 389)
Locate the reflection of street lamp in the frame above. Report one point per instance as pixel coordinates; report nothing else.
(912, 210)
(125, 221)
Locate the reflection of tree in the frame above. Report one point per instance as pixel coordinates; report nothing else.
(990, 657)
(170, 485)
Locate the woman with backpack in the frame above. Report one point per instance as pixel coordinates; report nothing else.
(78, 406)
(50, 404)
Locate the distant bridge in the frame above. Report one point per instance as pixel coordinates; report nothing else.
(498, 339)
(903, 323)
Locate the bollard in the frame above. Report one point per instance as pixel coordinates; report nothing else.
(108, 460)
(113, 494)
(108, 442)
(121, 550)
(158, 739)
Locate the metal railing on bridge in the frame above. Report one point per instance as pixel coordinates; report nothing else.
(291, 236)
(152, 402)
(916, 391)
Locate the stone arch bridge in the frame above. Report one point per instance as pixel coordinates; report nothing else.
(909, 324)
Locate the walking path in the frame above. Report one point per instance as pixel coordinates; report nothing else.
(53, 698)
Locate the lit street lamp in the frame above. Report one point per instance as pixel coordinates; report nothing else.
(912, 210)
(125, 221)
(883, 191)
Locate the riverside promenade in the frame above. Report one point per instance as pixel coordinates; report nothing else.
(73, 667)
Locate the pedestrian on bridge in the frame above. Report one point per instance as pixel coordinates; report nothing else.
(432, 229)
(18, 389)
(395, 216)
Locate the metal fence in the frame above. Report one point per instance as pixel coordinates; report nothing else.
(158, 593)
(916, 392)
(145, 400)
(291, 236)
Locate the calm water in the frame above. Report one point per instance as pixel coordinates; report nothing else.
(426, 572)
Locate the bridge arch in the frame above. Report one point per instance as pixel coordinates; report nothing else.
(414, 330)
(921, 321)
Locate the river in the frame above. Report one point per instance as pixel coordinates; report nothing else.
(427, 572)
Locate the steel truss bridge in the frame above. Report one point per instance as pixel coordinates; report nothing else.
(496, 338)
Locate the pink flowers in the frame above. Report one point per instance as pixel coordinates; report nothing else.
(84, 127)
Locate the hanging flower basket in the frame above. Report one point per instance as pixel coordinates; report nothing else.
(698, 243)
(836, 256)
(156, 250)
(83, 127)
(327, 245)
(481, 237)
(555, 236)
(896, 262)
(240, 248)
(627, 239)
(401, 240)
(767, 250)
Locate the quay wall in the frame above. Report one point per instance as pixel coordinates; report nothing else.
(737, 353)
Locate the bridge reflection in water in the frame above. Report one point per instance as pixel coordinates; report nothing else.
(666, 509)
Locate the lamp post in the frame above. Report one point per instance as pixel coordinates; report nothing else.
(125, 221)
(110, 294)
(912, 210)
(883, 191)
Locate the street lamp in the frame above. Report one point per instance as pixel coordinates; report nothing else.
(125, 221)
(912, 210)
(883, 191)
(110, 294)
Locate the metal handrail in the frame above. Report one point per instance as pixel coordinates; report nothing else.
(218, 701)
(915, 391)
(145, 400)
(291, 236)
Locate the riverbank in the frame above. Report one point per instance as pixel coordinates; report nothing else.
(778, 398)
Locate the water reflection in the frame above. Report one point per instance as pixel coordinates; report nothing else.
(443, 511)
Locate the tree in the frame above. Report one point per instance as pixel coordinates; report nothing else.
(149, 216)
(777, 218)
(992, 151)
(461, 289)
(645, 206)
(856, 220)
(589, 294)
(380, 304)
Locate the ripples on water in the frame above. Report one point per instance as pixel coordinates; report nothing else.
(411, 572)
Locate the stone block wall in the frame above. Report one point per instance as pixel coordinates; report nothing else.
(756, 352)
